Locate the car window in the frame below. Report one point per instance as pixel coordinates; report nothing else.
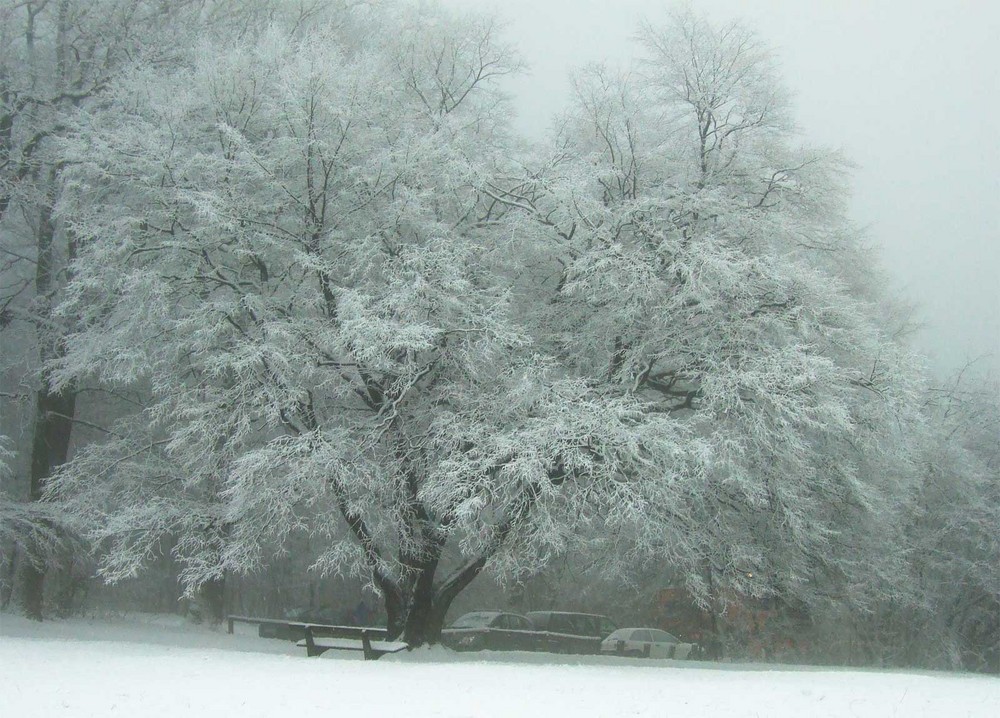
(500, 621)
(641, 635)
(560, 623)
(578, 624)
(519, 624)
(474, 620)
(664, 637)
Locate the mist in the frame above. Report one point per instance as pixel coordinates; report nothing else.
(907, 91)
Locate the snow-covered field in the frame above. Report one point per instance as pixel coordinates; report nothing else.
(160, 667)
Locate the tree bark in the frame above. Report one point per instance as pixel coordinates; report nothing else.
(54, 409)
(395, 613)
(50, 447)
(213, 599)
(420, 611)
(429, 603)
(9, 576)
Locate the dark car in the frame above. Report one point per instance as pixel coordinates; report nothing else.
(566, 632)
(490, 631)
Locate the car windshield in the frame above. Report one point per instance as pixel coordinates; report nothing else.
(474, 620)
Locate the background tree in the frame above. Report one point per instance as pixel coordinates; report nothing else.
(951, 534)
(55, 56)
(698, 259)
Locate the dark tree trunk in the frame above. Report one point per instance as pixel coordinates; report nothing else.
(715, 648)
(429, 603)
(416, 611)
(419, 628)
(394, 613)
(54, 409)
(52, 431)
(72, 584)
(32, 591)
(9, 576)
(213, 599)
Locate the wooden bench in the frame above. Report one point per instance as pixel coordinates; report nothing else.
(372, 641)
(317, 638)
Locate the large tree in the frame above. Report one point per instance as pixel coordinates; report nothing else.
(287, 243)
(690, 252)
(952, 617)
(355, 313)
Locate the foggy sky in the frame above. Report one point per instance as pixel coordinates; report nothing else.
(908, 89)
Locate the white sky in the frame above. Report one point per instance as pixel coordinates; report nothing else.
(908, 89)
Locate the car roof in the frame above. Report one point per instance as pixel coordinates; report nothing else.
(642, 628)
(491, 612)
(564, 613)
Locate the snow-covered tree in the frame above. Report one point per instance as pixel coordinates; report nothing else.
(286, 243)
(953, 617)
(55, 57)
(355, 309)
(697, 258)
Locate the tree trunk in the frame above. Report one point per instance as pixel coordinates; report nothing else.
(32, 591)
(213, 599)
(395, 614)
(421, 614)
(429, 604)
(9, 576)
(54, 410)
(52, 431)
(715, 649)
(418, 614)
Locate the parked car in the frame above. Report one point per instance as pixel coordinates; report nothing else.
(645, 642)
(490, 631)
(566, 632)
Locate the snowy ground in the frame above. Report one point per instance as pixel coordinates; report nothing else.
(160, 667)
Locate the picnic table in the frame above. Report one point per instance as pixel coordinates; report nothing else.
(317, 638)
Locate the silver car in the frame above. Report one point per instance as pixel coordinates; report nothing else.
(646, 643)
